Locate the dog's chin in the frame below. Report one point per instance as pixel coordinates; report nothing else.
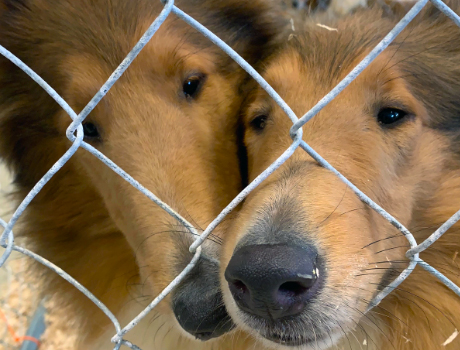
(299, 342)
(272, 336)
(294, 341)
(194, 338)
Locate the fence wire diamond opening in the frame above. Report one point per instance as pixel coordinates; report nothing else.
(75, 135)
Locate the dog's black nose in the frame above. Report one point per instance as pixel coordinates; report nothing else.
(202, 323)
(273, 281)
(198, 303)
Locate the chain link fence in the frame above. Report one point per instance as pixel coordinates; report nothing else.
(75, 135)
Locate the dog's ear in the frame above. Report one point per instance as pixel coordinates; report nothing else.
(250, 27)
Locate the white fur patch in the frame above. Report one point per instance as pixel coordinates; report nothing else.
(451, 338)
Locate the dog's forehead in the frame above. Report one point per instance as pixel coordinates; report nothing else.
(324, 51)
(169, 54)
(305, 76)
(302, 84)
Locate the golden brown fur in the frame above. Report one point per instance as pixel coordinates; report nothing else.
(411, 169)
(88, 220)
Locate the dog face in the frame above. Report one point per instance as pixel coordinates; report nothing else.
(170, 122)
(155, 124)
(305, 256)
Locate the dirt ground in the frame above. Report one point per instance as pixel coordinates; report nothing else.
(16, 296)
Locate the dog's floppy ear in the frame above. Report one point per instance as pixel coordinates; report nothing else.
(251, 27)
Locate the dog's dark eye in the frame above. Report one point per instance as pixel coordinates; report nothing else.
(390, 115)
(192, 86)
(259, 122)
(90, 131)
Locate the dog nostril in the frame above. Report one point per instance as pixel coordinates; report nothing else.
(239, 291)
(293, 289)
(240, 286)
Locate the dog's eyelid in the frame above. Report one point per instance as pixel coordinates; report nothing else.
(195, 74)
(259, 111)
(395, 104)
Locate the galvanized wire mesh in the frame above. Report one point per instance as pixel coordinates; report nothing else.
(7, 237)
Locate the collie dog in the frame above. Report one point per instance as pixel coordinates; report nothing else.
(171, 122)
(305, 256)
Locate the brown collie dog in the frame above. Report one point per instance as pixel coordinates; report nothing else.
(170, 122)
(305, 256)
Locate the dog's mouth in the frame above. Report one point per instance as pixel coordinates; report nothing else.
(290, 339)
(198, 304)
(312, 333)
(291, 332)
(287, 336)
(314, 340)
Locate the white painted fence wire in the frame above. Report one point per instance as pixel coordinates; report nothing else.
(7, 237)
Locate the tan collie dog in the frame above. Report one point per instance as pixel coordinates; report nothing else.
(306, 256)
(170, 122)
